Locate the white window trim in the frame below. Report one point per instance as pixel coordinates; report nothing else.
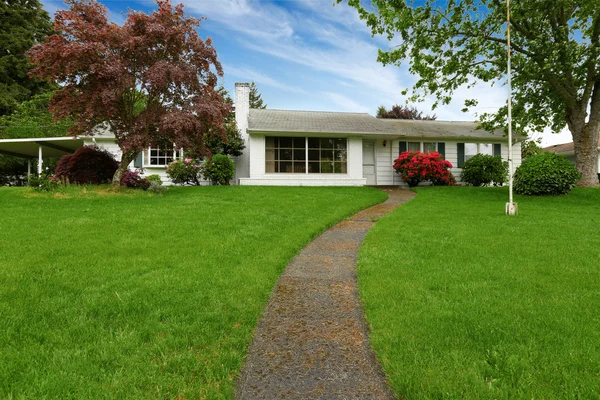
(306, 161)
(177, 154)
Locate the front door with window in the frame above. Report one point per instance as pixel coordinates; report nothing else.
(369, 162)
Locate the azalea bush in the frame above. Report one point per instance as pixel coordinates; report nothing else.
(185, 172)
(132, 179)
(415, 167)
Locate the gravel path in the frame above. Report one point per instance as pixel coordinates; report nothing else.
(312, 340)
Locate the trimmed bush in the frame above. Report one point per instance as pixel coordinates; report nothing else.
(219, 169)
(415, 167)
(184, 172)
(484, 170)
(546, 173)
(157, 188)
(132, 179)
(154, 178)
(88, 164)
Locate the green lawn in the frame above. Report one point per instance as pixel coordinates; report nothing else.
(467, 303)
(140, 296)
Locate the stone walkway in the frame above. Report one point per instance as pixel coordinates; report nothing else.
(312, 341)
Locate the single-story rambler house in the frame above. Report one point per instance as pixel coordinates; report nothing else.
(311, 148)
(568, 150)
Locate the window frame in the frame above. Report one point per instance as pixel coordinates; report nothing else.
(421, 147)
(343, 159)
(147, 157)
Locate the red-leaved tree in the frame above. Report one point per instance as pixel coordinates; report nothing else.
(151, 80)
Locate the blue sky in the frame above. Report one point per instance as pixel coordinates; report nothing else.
(309, 55)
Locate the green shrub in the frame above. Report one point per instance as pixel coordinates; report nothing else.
(484, 170)
(184, 172)
(219, 169)
(546, 173)
(44, 183)
(154, 178)
(157, 188)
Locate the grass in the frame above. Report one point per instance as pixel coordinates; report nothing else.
(465, 302)
(130, 295)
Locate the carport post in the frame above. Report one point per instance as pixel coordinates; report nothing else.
(40, 160)
(28, 167)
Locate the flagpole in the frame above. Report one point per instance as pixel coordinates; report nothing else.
(511, 207)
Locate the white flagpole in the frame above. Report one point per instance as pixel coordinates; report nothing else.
(511, 207)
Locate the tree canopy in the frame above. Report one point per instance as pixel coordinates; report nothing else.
(555, 59)
(23, 23)
(256, 100)
(403, 112)
(106, 71)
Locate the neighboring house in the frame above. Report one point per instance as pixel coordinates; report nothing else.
(308, 148)
(568, 150)
(347, 149)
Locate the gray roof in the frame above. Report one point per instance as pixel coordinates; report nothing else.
(313, 121)
(284, 121)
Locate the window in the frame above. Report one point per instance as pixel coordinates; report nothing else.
(302, 155)
(497, 150)
(161, 157)
(428, 147)
(468, 150)
(285, 155)
(414, 146)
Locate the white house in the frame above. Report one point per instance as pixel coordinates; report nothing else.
(347, 149)
(311, 148)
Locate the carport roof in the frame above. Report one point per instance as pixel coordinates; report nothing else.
(51, 147)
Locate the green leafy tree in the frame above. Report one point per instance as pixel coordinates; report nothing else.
(530, 148)
(232, 142)
(23, 23)
(555, 57)
(255, 97)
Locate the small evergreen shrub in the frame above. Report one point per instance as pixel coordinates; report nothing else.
(132, 179)
(415, 167)
(157, 188)
(484, 170)
(219, 169)
(154, 178)
(184, 172)
(44, 182)
(546, 173)
(88, 164)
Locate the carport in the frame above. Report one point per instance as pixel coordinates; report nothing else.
(40, 148)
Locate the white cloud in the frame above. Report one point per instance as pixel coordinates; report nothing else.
(249, 74)
(346, 103)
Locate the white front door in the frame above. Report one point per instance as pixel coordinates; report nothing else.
(369, 161)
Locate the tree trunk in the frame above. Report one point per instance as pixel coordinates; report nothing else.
(585, 140)
(126, 158)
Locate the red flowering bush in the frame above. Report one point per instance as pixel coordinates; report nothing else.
(415, 167)
(132, 179)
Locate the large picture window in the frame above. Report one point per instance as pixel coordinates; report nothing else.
(301, 155)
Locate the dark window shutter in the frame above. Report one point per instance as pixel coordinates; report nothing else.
(138, 163)
(403, 147)
(442, 149)
(497, 150)
(460, 149)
